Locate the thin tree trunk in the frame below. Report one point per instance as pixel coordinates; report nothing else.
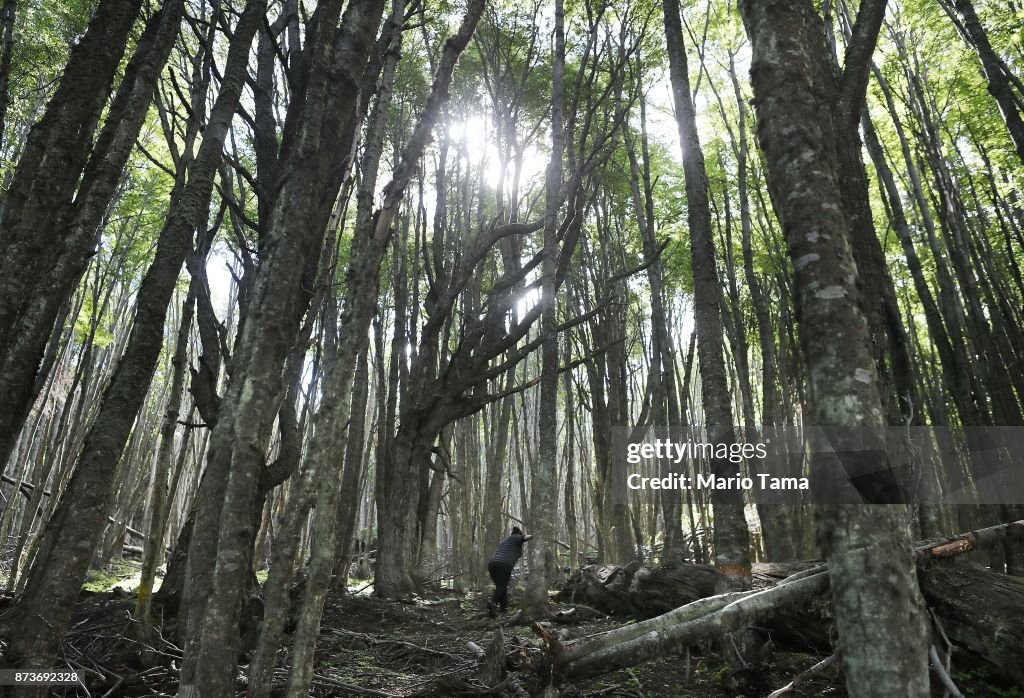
(544, 483)
(1001, 82)
(571, 518)
(7, 17)
(158, 514)
(369, 166)
(731, 535)
(666, 409)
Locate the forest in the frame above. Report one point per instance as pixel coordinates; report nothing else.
(536, 348)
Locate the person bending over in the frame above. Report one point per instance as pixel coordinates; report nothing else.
(500, 568)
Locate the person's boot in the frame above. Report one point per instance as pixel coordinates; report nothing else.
(491, 610)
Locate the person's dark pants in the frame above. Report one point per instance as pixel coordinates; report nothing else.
(500, 575)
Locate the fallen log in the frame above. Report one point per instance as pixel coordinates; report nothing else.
(700, 620)
(972, 540)
(982, 612)
(645, 592)
(641, 592)
(604, 587)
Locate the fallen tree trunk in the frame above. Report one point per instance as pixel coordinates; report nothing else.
(645, 592)
(708, 618)
(641, 592)
(982, 612)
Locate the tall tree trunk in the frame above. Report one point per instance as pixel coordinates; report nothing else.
(497, 462)
(37, 272)
(355, 466)
(360, 304)
(316, 151)
(7, 16)
(731, 535)
(666, 406)
(57, 149)
(876, 602)
(544, 483)
(368, 168)
(571, 518)
(152, 548)
(877, 292)
(955, 373)
(73, 532)
(978, 332)
(778, 523)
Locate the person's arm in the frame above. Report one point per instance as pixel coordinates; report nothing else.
(526, 538)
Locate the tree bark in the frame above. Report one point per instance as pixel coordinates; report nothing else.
(7, 17)
(36, 276)
(73, 532)
(315, 156)
(875, 597)
(544, 483)
(731, 535)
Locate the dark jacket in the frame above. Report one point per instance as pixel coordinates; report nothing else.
(509, 550)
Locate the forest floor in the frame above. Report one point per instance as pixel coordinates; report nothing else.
(420, 647)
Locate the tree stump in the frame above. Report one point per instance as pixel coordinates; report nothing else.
(492, 665)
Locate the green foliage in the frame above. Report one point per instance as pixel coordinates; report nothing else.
(118, 573)
(44, 32)
(92, 325)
